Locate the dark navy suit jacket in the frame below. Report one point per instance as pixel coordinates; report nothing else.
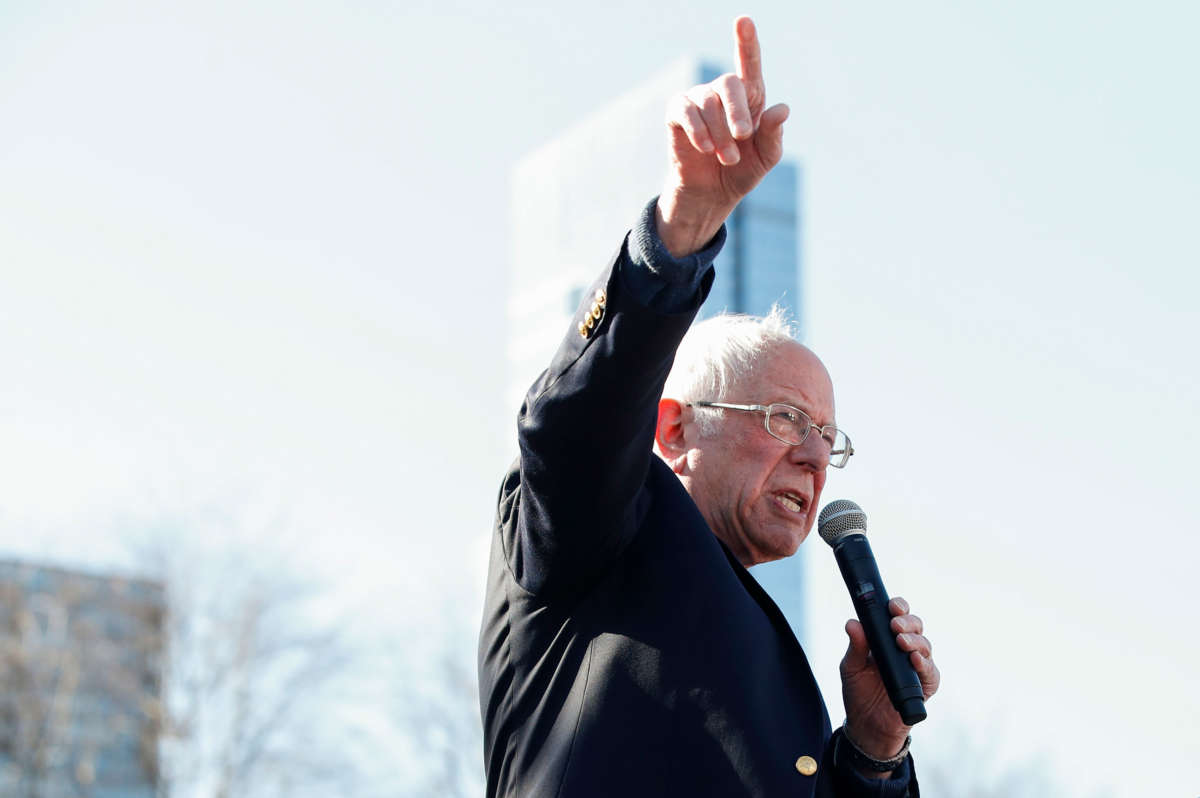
(624, 651)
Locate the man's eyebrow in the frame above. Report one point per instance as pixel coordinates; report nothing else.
(791, 403)
(805, 407)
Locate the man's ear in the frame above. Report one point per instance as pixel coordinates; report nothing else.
(669, 434)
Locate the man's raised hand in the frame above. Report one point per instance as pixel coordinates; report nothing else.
(722, 143)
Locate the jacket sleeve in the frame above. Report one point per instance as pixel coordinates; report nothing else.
(841, 780)
(586, 428)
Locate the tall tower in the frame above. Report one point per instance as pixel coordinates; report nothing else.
(573, 198)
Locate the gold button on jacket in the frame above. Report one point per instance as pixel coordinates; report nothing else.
(806, 765)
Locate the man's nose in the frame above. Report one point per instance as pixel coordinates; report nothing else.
(812, 453)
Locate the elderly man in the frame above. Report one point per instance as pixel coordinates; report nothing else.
(625, 649)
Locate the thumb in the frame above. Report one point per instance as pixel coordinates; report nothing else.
(769, 138)
(858, 651)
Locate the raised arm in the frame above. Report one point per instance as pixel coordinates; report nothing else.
(586, 430)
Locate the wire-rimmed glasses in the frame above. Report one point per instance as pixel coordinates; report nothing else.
(791, 425)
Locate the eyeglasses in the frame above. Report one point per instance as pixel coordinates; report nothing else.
(791, 425)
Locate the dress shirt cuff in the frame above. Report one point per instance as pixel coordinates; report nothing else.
(656, 278)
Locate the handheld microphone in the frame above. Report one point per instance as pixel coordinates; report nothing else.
(843, 525)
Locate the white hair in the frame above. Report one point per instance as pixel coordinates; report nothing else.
(717, 354)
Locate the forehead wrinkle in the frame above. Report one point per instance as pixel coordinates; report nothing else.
(777, 373)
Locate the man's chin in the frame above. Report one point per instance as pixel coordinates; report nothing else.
(796, 542)
(780, 547)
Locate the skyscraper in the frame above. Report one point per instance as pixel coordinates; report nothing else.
(571, 200)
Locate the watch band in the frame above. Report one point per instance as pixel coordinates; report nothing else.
(867, 762)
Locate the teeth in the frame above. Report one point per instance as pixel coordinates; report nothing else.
(790, 503)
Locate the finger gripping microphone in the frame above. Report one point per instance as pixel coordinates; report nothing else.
(843, 525)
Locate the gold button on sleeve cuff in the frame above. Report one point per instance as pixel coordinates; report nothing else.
(806, 765)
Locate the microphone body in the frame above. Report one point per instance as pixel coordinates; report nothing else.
(845, 530)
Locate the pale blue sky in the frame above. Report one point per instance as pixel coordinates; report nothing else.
(252, 258)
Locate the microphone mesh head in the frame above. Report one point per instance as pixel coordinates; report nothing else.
(839, 518)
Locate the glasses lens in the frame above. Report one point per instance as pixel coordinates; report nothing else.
(839, 446)
(787, 423)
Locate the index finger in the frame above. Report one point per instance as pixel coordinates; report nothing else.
(749, 57)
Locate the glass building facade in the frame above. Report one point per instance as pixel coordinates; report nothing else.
(80, 684)
(572, 199)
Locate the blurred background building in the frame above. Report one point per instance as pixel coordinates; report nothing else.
(571, 200)
(80, 684)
